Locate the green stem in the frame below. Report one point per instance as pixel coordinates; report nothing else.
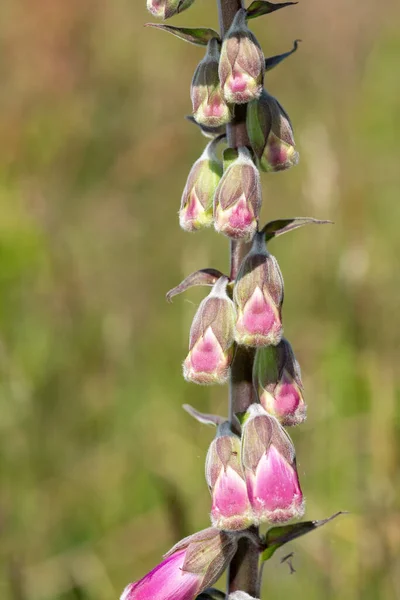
(243, 570)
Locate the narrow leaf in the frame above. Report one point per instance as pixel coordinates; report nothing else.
(281, 226)
(206, 419)
(273, 61)
(278, 536)
(262, 7)
(202, 277)
(194, 35)
(211, 594)
(209, 132)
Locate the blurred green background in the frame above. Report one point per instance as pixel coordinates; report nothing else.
(101, 470)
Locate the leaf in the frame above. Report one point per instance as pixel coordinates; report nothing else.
(278, 536)
(262, 7)
(209, 132)
(273, 61)
(194, 35)
(281, 226)
(202, 277)
(206, 419)
(211, 594)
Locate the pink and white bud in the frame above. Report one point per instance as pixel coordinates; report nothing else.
(270, 133)
(209, 106)
(192, 565)
(281, 390)
(164, 9)
(211, 338)
(231, 508)
(242, 63)
(237, 200)
(196, 209)
(258, 296)
(269, 463)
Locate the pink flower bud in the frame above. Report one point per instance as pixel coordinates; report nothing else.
(163, 9)
(242, 63)
(269, 463)
(211, 338)
(237, 200)
(270, 133)
(209, 106)
(231, 508)
(196, 209)
(278, 374)
(188, 568)
(258, 296)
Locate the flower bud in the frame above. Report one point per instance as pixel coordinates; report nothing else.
(163, 9)
(270, 134)
(278, 374)
(269, 463)
(188, 568)
(211, 338)
(242, 63)
(237, 200)
(258, 296)
(209, 106)
(230, 504)
(196, 209)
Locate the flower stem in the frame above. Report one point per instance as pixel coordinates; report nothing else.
(243, 570)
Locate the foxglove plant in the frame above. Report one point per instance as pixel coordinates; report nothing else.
(237, 332)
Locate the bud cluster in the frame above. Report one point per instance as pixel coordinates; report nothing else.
(253, 478)
(232, 73)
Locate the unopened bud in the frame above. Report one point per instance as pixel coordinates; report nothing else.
(211, 338)
(269, 463)
(258, 296)
(242, 63)
(231, 509)
(237, 200)
(196, 209)
(194, 564)
(270, 134)
(164, 9)
(278, 374)
(209, 106)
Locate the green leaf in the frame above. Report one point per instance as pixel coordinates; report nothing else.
(273, 61)
(211, 594)
(196, 35)
(281, 226)
(278, 536)
(202, 277)
(262, 7)
(204, 418)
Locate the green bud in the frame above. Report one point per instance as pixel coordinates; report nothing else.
(196, 209)
(242, 63)
(237, 200)
(209, 106)
(164, 9)
(270, 133)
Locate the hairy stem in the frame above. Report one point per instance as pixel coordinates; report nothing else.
(243, 570)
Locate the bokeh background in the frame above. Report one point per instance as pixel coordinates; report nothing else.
(101, 470)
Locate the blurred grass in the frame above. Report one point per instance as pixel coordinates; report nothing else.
(101, 471)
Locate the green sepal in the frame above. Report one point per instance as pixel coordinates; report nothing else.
(281, 226)
(278, 536)
(273, 61)
(229, 156)
(201, 277)
(258, 8)
(194, 35)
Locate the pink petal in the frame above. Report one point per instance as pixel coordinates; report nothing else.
(276, 485)
(231, 508)
(167, 581)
